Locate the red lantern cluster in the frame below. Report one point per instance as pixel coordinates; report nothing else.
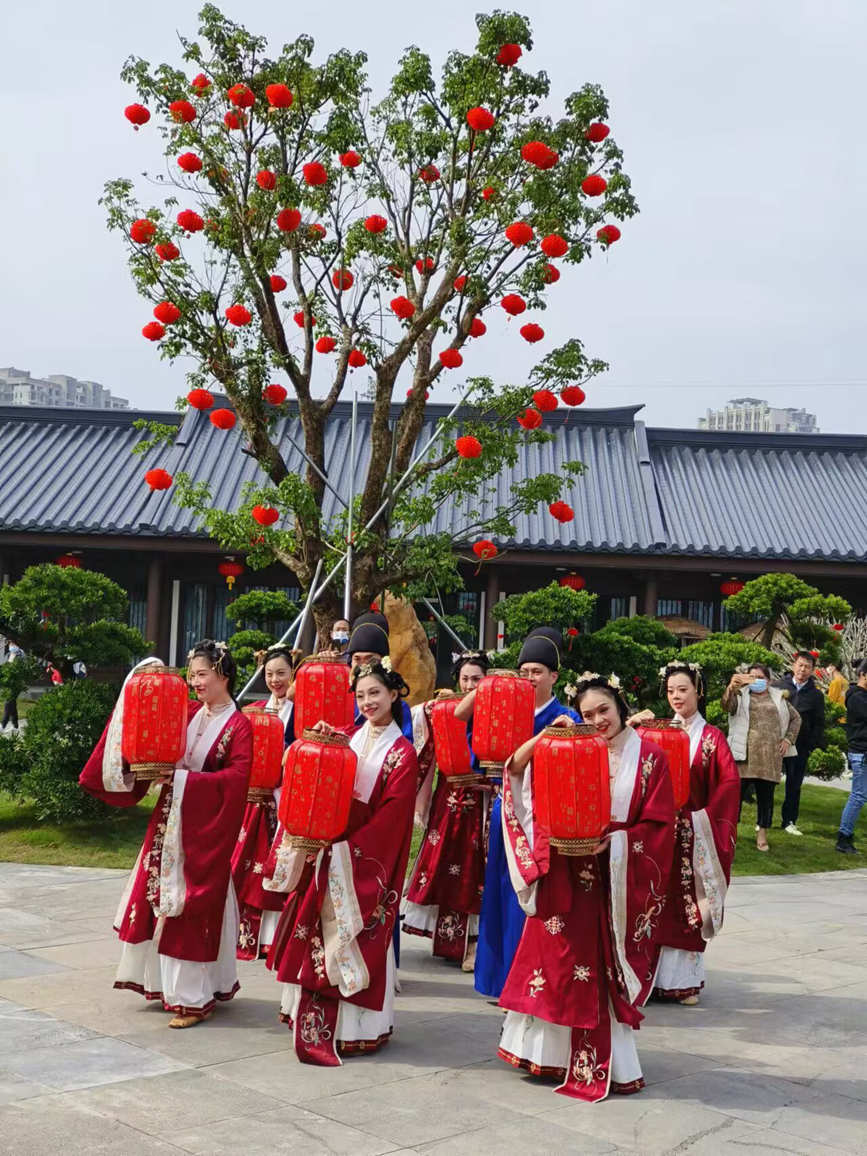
(142, 231)
(509, 55)
(545, 400)
(554, 245)
(182, 111)
(451, 745)
(572, 788)
(538, 154)
(502, 717)
(241, 96)
(137, 115)
(200, 398)
(278, 96)
(167, 312)
(513, 304)
(318, 778)
(532, 332)
(573, 581)
(480, 119)
(288, 220)
(314, 174)
(274, 394)
(731, 587)
(238, 315)
(594, 185)
(572, 395)
(530, 419)
(266, 768)
(190, 221)
(158, 479)
(519, 233)
(402, 307)
(375, 223)
(265, 515)
(561, 511)
(468, 447)
(223, 419)
(322, 694)
(350, 159)
(153, 331)
(154, 732)
(675, 742)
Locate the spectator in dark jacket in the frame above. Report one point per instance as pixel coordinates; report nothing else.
(856, 742)
(809, 702)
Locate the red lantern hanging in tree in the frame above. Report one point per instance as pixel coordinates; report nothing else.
(182, 111)
(314, 174)
(502, 717)
(451, 359)
(597, 132)
(241, 96)
(573, 581)
(375, 223)
(468, 447)
(342, 279)
(509, 55)
(551, 274)
(278, 283)
(530, 419)
(275, 394)
(673, 739)
(278, 96)
(137, 115)
(234, 120)
(200, 84)
(142, 231)
(158, 479)
(731, 587)
(480, 119)
(155, 716)
(477, 328)
(200, 398)
(572, 395)
(513, 304)
(608, 234)
(484, 549)
(429, 174)
(594, 185)
(190, 163)
(322, 694)
(230, 569)
(545, 400)
(561, 511)
(167, 251)
(223, 419)
(325, 345)
(554, 245)
(298, 318)
(238, 315)
(519, 233)
(153, 331)
(167, 312)
(532, 332)
(288, 220)
(265, 515)
(266, 180)
(190, 221)
(318, 779)
(402, 307)
(571, 788)
(350, 159)
(356, 359)
(451, 743)
(489, 192)
(460, 283)
(69, 562)
(266, 767)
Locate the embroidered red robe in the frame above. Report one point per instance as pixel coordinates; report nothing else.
(334, 941)
(588, 951)
(705, 837)
(210, 816)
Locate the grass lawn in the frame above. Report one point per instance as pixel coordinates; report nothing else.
(116, 841)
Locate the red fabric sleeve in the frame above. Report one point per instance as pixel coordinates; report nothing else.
(90, 779)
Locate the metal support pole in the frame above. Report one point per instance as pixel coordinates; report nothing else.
(310, 462)
(347, 585)
(444, 624)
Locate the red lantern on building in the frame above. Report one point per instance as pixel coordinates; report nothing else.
(230, 569)
(502, 717)
(573, 581)
(733, 586)
(266, 769)
(318, 777)
(571, 785)
(155, 714)
(673, 739)
(69, 561)
(453, 755)
(322, 694)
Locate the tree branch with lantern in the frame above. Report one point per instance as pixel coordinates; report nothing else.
(307, 232)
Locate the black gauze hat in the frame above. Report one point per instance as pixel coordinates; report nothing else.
(542, 645)
(369, 634)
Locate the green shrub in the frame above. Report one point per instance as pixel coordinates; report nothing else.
(62, 730)
(826, 764)
(13, 763)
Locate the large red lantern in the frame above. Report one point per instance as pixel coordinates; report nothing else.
(453, 755)
(69, 561)
(318, 778)
(731, 587)
(230, 570)
(571, 787)
(266, 769)
(322, 694)
(155, 713)
(502, 717)
(674, 740)
(573, 581)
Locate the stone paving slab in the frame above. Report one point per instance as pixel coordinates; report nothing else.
(774, 1060)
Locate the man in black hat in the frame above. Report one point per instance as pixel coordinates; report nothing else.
(368, 639)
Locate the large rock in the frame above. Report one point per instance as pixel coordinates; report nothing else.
(410, 651)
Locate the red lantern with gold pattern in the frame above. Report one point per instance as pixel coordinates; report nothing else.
(453, 755)
(318, 777)
(573, 581)
(572, 787)
(502, 717)
(322, 694)
(154, 734)
(230, 569)
(69, 561)
(670, 735)
(266, 769)
(731, 587)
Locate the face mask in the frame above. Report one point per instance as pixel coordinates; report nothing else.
(758, 686)
(341, 637)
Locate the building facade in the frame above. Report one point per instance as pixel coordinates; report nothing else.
(662, 517)
(57, 391)
(753, 415)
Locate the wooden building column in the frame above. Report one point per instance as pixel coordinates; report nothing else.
(651, 594)
(492, 597)
(153, 613)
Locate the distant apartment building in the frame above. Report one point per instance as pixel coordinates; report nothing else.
(57, 391)
(753, 415)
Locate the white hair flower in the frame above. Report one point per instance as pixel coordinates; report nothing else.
(386, 663)
(614, 681)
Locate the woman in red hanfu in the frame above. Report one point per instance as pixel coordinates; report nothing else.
(586, 959)
(178, 917)
(705, 836)
(333, 950)
(260, 909)
(444, 896)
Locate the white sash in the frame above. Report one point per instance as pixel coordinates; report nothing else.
(621, 798)
(197, 751)
(370, 765)
(113, 776)
(695, 729)
(283, 711)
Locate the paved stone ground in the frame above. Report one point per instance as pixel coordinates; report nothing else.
(774, 1060)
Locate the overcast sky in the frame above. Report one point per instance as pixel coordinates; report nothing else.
(742, 127)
